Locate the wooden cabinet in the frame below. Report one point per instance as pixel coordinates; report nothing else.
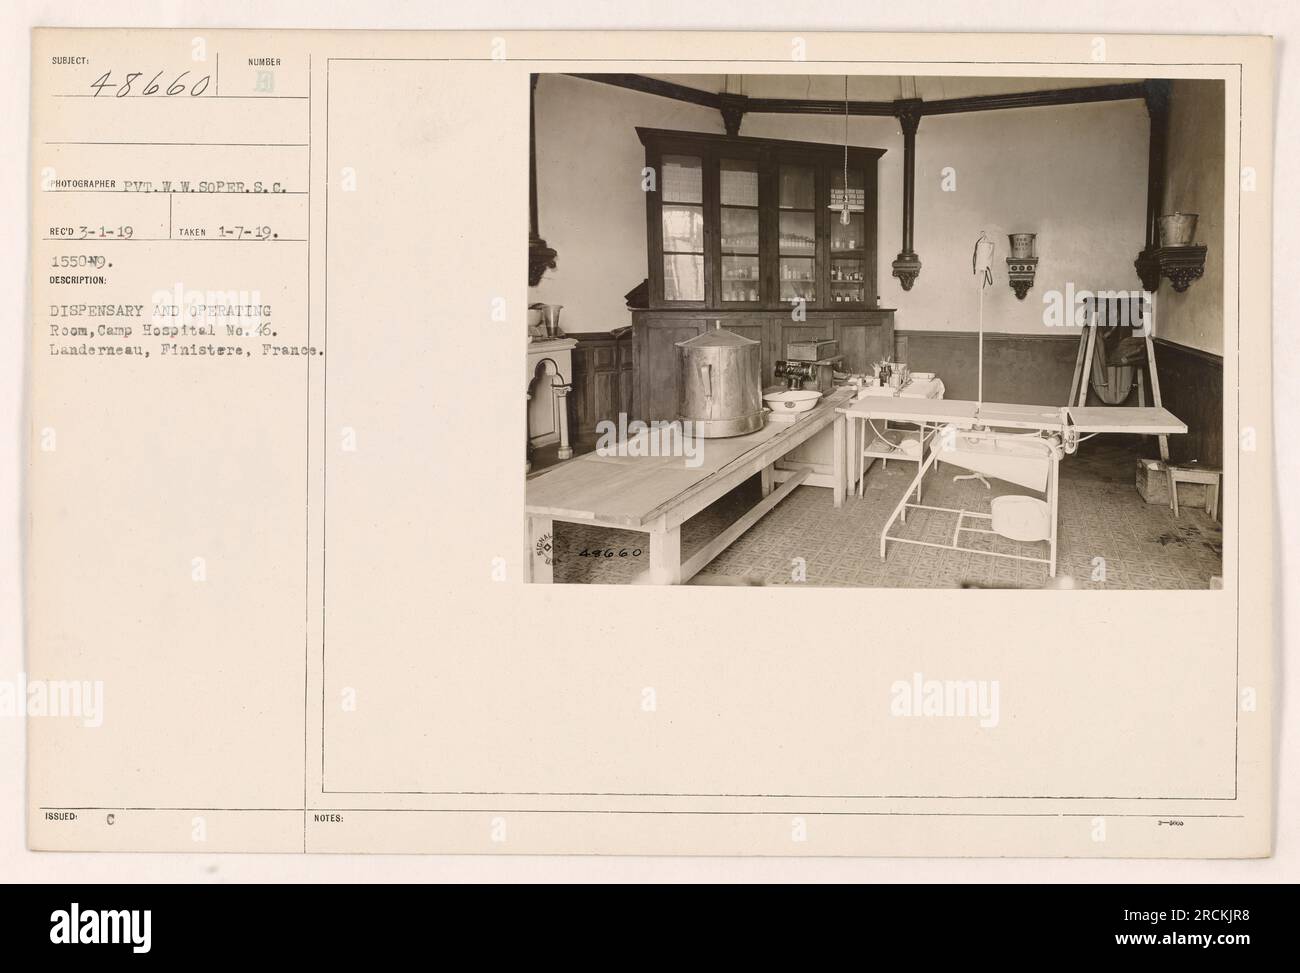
(602, 382)
(654, 355)
(748, 232)
(755, 224)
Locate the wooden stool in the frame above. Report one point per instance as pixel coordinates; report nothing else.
(1196, 474)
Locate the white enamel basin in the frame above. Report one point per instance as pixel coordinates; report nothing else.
(796, 400)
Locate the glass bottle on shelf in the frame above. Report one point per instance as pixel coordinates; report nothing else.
(738, 214)
(797, 242)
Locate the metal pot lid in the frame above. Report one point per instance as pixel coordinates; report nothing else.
(717, 338)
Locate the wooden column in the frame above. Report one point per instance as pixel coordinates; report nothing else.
(907, 266)
(560, 393)
(541, 258)
(528, 435)
(1156, 95)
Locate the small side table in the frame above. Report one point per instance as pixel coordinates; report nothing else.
(1196, 474)
(885, 444)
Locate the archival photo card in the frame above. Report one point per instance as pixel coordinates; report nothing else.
(869, 452)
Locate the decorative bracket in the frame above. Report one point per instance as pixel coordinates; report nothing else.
(733, 111)
(541, 258)
(1181, 265)
(1020, 274)
(1148, 269)
(907, 267)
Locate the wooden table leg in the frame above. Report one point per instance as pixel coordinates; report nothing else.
(839, 475)
(539, 557)
(666, 556)
(860, 447)
(920, 461)
(765, 478)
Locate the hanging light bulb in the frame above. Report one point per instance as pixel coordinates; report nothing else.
(844, 198)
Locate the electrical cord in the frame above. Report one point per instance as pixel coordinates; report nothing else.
(894, 447)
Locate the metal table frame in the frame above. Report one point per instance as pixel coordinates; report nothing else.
(1067, 422)
(1050, 494)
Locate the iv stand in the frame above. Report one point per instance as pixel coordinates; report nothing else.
(985, 274)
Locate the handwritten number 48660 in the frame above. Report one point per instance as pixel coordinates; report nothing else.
(152, 87)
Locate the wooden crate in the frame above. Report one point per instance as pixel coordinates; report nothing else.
(1153, 485)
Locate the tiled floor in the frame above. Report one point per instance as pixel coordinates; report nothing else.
(1101, 516)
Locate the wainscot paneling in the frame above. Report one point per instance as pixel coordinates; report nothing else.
(1028, 369)
(1036, 370)
(1191, 387)
(602, 382)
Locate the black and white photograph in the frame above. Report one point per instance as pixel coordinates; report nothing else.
(897, 490)
(876, 330)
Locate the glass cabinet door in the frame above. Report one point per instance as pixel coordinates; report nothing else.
(748, 224)
(738, 231)
(682, 214)
(797, 226)
(848, 245)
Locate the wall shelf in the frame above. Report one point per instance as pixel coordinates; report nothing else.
(1180, 265)
(1020, 274)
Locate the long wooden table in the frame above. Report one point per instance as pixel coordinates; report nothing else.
(657, 494)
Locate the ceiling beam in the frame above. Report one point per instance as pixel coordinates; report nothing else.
(738, 105)
(818, 106)
(654, 86)
(1036, 99)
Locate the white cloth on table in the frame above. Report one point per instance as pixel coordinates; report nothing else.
(931, 388)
